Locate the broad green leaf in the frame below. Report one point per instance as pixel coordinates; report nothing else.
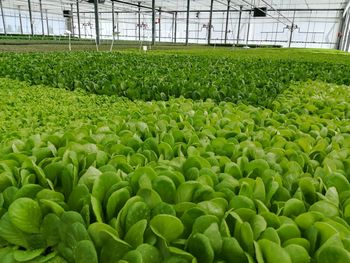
(136, 212)
(25, 214)
(97, 233)
(103, 183)
(26, 255)
(167, 227)
(298, 254)
(272, 252)
(134, 236)
(199, 246)
(85, 252)
(232, 251)
(133, 256)
(293, 207)
(165, 187)
(331, 254)
(149, 254)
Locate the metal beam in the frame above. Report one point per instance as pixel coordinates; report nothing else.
(221, 11)
(346, 32)
(31, 18)
(188, 20)
(72, 19)
(210, 20)
(239, 24)
(113, 19)
(277, 11)
(78, 17)
(291, 31)
(139, 20)
(346, 9)
(47, 22)
(227, 18)
(248, 29)
(3, 17)
(153, 22)
(268, 10)
(160, 25)
(118, 33)
(142, 6)
(175, 26)
(341, 31)
(41, 17)
(20, 19)
(97, 23)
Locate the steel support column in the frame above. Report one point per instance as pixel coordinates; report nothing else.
(291, 31)
(239, 24)
(97, 23)
(248, 29)
(72, 19)
(139, 20)
(227, 18)
(78, 18)
(41, 17)
(113, 20)
(47, 22)
(20, 19)
(31, 18)
(3, 17)
(153, 22)
(117, 25)
(160, 24)
(341, 30)
(175, 27)
(210, 20)
(188, 20)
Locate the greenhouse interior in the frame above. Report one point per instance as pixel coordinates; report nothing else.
(285, 23)
(175, 131)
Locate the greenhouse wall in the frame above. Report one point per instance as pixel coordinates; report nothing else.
(345, 34)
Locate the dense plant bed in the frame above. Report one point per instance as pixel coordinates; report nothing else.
(250, 80)
(88, 178)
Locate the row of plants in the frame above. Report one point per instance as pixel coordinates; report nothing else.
(250, 80)
(104, 179)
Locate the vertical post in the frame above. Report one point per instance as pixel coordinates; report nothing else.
(172, 28)
(139, 20)
(197, 15)
(3, 17)
(341, 29)
(188, 20)
(47, 22)
(71, 19)
(291, 31)
(308, 29)
(239, 24)
(227, 18)
(118, 33)
(78, 18)
(160, 24)
(210, 20)
(248, 29)
(97, 23)
(153, 22)
(20, 19)
(175, 29)
(31, 18)
(41, 17)
(113, 21)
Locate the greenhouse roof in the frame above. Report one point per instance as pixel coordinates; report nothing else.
(181, 5)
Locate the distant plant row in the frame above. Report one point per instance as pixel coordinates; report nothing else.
(253, 80)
